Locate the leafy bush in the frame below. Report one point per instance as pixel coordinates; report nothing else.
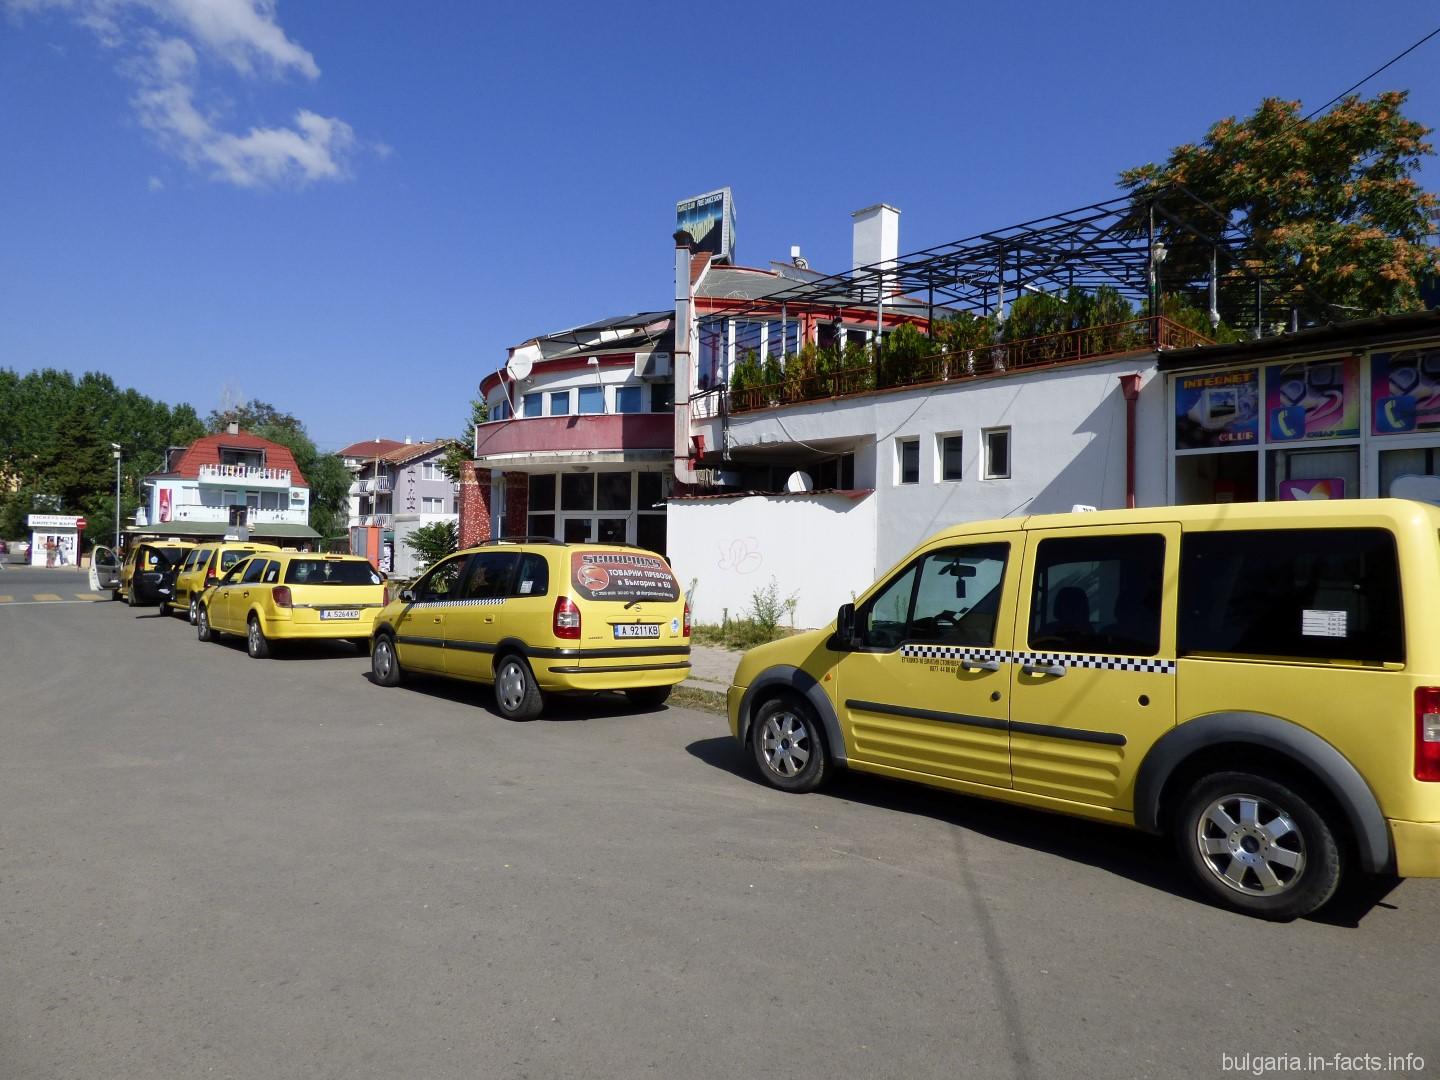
(433, 542)
(747, 374)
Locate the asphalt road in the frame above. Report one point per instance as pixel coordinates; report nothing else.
(217, 867)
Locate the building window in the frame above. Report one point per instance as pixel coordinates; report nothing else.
(501, 411)
(560, 403)
(542, 491)
(997, 453)
(662, 397)
(430, 470)
(627, 399)
(711, 332)
(949, 449)
(907, 461)
(577, 491)
(592, 400)
(532, 404)
(431, 505)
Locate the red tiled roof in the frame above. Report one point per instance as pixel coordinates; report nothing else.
(369, 448)
(206, 451)
(410, 451)
(698, 262)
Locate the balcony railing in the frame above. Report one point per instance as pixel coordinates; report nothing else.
(1068, 346)
(200, 512)
(378, 485)
(244, 474)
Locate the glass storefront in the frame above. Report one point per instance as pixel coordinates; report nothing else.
(606, 507)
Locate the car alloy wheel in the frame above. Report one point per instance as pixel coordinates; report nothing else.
(788, 745)
(194, 610)
(785, 743)
(383, 663)
(1250, 845)
(516, 695)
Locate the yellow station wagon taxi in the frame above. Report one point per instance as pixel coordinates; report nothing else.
(147, 568)
(292, 595)
(203, 567)
(537, 617)
(1260, 681)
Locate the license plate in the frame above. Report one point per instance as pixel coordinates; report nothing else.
(634, 630)
(340, 613)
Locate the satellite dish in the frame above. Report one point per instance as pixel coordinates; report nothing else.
(799, 481)
(519, 368)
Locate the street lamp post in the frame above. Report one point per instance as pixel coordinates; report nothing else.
(115, 450)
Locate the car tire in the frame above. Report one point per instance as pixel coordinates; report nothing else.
(202, 626)
(194, 609)
(516, 695)
(1259, 845)
(648, 697)
(788, 745)
(256, 643)
(385, 662)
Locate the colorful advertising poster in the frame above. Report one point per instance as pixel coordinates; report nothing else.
(1219, 408)
(622, 575)
(710, 221)
(1405, 391)
(1332, 487)
(1315, 400)
(166, 501)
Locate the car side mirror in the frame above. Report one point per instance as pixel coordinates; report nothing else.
(845, 627)
(407, 596)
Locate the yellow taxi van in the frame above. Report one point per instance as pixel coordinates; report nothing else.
(292, 595)
(1261, 682)
(147, 569)
(203, 566)
(535, 617)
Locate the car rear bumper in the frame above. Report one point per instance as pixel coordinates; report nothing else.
(330, 630)
(1417, 847)
(565, 676)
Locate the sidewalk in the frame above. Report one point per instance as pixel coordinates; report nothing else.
(711, 668)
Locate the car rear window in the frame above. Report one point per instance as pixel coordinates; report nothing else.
(1321, 594)
(230, 558)
(331, 572)
(157, 558)
(622, 576)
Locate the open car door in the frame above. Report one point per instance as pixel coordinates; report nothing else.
(104, 570)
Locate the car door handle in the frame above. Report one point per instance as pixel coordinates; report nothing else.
(980, 665)
(489, 618)
(1043, 669)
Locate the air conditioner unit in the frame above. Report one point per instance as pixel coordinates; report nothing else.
(652, 365)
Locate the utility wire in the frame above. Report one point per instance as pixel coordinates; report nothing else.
(1367, 78)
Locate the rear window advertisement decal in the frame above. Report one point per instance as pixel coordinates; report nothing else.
(622, 575)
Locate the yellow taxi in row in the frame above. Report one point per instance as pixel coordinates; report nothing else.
(292, 595)
(536, 617)
(148, 569)
(203, 566)
(1260, 681)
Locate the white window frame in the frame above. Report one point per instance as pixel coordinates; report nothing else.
(900, 444)
(438, 500)
(940, 437)
(988, 471)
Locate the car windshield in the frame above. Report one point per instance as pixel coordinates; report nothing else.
(331, 572)
(230, 558)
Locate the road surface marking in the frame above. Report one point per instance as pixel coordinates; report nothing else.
(88, 596)
(46, 596)
(6, 599)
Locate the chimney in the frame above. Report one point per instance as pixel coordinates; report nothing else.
(876, 236)
(233, 427)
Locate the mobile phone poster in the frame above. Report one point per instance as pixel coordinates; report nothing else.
(1318, 399)
(1405, 391)
(1217, 409)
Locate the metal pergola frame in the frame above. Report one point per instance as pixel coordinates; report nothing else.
(1115, 243)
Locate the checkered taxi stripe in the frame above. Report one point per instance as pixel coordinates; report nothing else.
(493, 601)
(1075, 660)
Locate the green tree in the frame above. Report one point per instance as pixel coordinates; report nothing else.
(1338, 224)
(460, 453)
(433, 542)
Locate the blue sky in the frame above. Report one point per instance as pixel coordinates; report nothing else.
(351, 209)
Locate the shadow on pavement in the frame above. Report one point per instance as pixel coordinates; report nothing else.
(1140, 857)
(558, 708)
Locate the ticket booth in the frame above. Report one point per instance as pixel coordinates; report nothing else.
(55, 539)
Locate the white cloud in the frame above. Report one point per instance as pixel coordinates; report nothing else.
(169, 46)
(155, 184)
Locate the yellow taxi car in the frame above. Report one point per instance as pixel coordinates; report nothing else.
(539, 617)
(147, 568)
(292, 595)
(1259, 681)
(202, 567)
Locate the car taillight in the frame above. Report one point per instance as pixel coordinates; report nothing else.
(687, 618)
(209, 578)
(281, 595)
(566, 623)
(1427, 733)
